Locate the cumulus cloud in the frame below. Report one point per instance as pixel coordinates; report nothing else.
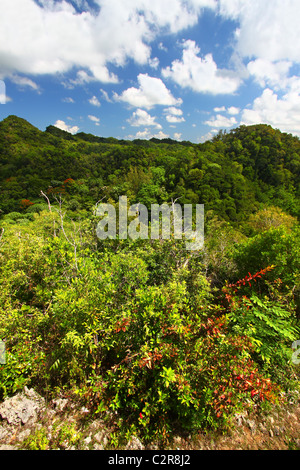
(232, 110)
(174, 119)
(147, 134)
(24, 82)
(91, 39)
(174, 115)
(281, 113)
(94, 101)
(177, 135)
(208, 136)
(266, 73)
(267, 37)
(267, 29)
(221, 121)
(173, 111)
(201, 74)
(95, 119)
(65, 127)
(141, 118)
(151, 92)
(220, 109)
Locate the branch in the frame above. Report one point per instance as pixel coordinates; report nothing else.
(46, 197)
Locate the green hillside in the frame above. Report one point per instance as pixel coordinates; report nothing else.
(234, 175)
(152, 338)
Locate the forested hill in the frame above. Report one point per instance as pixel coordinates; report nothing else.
(149, 337)
(234, 175)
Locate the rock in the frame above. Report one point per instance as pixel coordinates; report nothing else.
(262, 428)
(134, 444)
(60, 403)
(24, 434)
(252, 425)
(98, 447)
(22, 407)
(239, 418)
(95, 425)
(99, 437)
(177, 442)
(3, 432)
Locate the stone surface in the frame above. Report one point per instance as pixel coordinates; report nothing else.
(22, 407)
(23, 415)
(134, 444)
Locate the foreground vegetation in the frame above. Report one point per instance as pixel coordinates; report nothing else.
(163, 338)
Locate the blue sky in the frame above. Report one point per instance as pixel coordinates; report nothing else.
(129, 69)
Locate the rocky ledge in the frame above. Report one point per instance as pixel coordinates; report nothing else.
(28, 422)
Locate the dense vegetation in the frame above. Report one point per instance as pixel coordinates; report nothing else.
(164, 337)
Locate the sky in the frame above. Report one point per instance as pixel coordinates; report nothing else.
(137, 69)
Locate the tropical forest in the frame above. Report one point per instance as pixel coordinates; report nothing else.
(153, 339)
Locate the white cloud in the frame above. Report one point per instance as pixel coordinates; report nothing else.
(174, 119)
(24, 82)
(161, 135)
(162, 47)
(220, 110)
(233, 110)
(52, 37)
(201, 74)
(65, 127)
(154, 63)
(208, 136)
(281, 113)
(147, 134)
(266, 73)
(94, 101)
(68, 100)
(174, 115)
(95, 119)
(105, 96)
(221, 121)
(172, 15)
(177, 135)
(173, 111)
(267, 29)
(151, 92)
(141, 118)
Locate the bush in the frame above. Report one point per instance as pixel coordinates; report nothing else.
(138, 329)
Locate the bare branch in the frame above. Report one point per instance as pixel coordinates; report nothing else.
(46, 197)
